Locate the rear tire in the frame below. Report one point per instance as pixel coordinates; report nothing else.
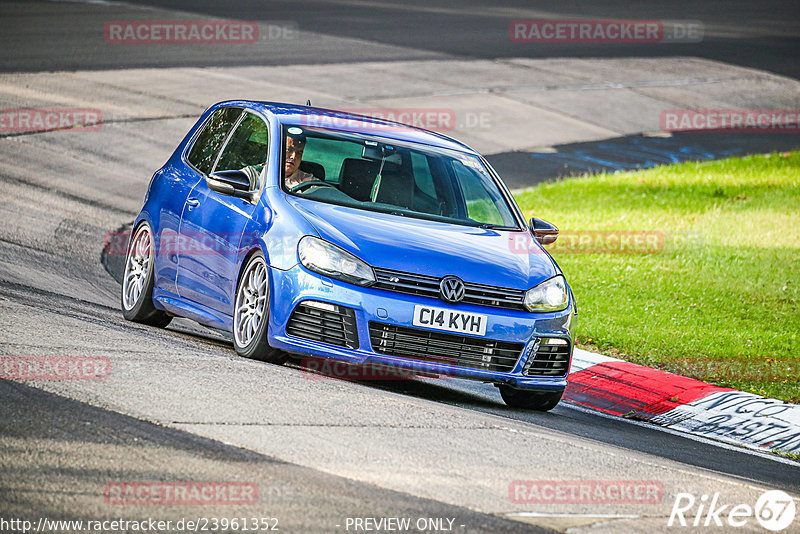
(530, 400)
(251, 313)
(136, 295)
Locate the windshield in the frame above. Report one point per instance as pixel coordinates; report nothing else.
(405, 179)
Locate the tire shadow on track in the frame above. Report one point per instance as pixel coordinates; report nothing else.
(112, 255)
(420, 386)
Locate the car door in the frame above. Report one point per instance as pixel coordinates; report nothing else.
(212, 223)
(178, 180)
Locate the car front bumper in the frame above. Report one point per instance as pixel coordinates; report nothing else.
(376, 306)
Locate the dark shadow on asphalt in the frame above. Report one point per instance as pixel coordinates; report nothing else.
(524, 169)
(481, 29)
(38, 428)
(428, 388)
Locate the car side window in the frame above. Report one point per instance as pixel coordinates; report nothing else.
(206, 146)
(247, 148)
(481, 201)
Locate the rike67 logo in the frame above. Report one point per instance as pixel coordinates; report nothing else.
(774, 510)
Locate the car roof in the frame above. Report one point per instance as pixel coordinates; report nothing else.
(309, 116)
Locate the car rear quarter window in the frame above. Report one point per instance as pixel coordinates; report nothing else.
(206, 146)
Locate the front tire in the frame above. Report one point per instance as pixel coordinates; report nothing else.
(136, 295)
(251, 313)
(530, 400)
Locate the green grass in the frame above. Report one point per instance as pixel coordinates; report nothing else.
(787, 454)
(719, 301)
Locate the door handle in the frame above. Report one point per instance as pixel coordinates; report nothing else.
(192, 202)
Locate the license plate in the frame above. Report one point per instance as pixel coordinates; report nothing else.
(450, 320)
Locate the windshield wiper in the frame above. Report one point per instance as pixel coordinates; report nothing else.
(487, 226)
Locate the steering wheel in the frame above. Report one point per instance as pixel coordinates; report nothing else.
(310, 183)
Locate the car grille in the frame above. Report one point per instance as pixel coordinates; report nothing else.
(449, 349)
(428, 286)
(550, 359)
(323, 322)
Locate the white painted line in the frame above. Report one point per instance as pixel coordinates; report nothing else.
(590, 516)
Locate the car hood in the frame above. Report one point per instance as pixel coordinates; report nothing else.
(509, 259)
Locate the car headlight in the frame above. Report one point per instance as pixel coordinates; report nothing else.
(549, 296)
(326, 258)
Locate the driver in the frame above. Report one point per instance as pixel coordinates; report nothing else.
(295, 144)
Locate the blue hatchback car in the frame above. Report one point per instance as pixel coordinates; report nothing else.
(304, 231)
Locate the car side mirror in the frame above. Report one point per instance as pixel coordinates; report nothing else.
(232, 183)
(544, 232)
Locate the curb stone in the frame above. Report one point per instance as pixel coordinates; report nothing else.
(637, 392)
